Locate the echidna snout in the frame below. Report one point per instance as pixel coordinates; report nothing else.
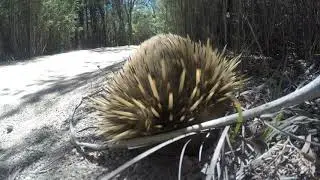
(170, 82)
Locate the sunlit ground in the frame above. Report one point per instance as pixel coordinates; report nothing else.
(43, 91)
(23, 78)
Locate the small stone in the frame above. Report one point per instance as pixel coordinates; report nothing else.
(9, 129)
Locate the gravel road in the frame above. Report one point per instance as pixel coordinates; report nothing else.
(37, 97)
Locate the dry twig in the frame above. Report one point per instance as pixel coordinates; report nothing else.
(308, 92)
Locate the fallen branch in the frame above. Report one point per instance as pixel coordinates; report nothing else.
(308, 92)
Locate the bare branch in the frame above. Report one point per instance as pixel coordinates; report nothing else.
(308, 92)
(211, 172)
(143, 155)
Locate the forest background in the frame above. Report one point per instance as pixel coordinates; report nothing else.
(273, 28)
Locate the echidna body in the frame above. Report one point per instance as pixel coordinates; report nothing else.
(170, 82)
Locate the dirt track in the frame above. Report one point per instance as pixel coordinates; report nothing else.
(36, 99)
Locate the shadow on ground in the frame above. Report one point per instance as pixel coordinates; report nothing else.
(35, 146)
(61, 86)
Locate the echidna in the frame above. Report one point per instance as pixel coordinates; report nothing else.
(170, 82)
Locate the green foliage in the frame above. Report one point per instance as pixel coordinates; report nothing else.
(35, 27)
(240, 120)
(166, 12)
(273, 28)
(145, 24)
(57, 19)
(276, 121)
(56, 15)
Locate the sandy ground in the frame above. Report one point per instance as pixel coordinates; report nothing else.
(36, 99)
